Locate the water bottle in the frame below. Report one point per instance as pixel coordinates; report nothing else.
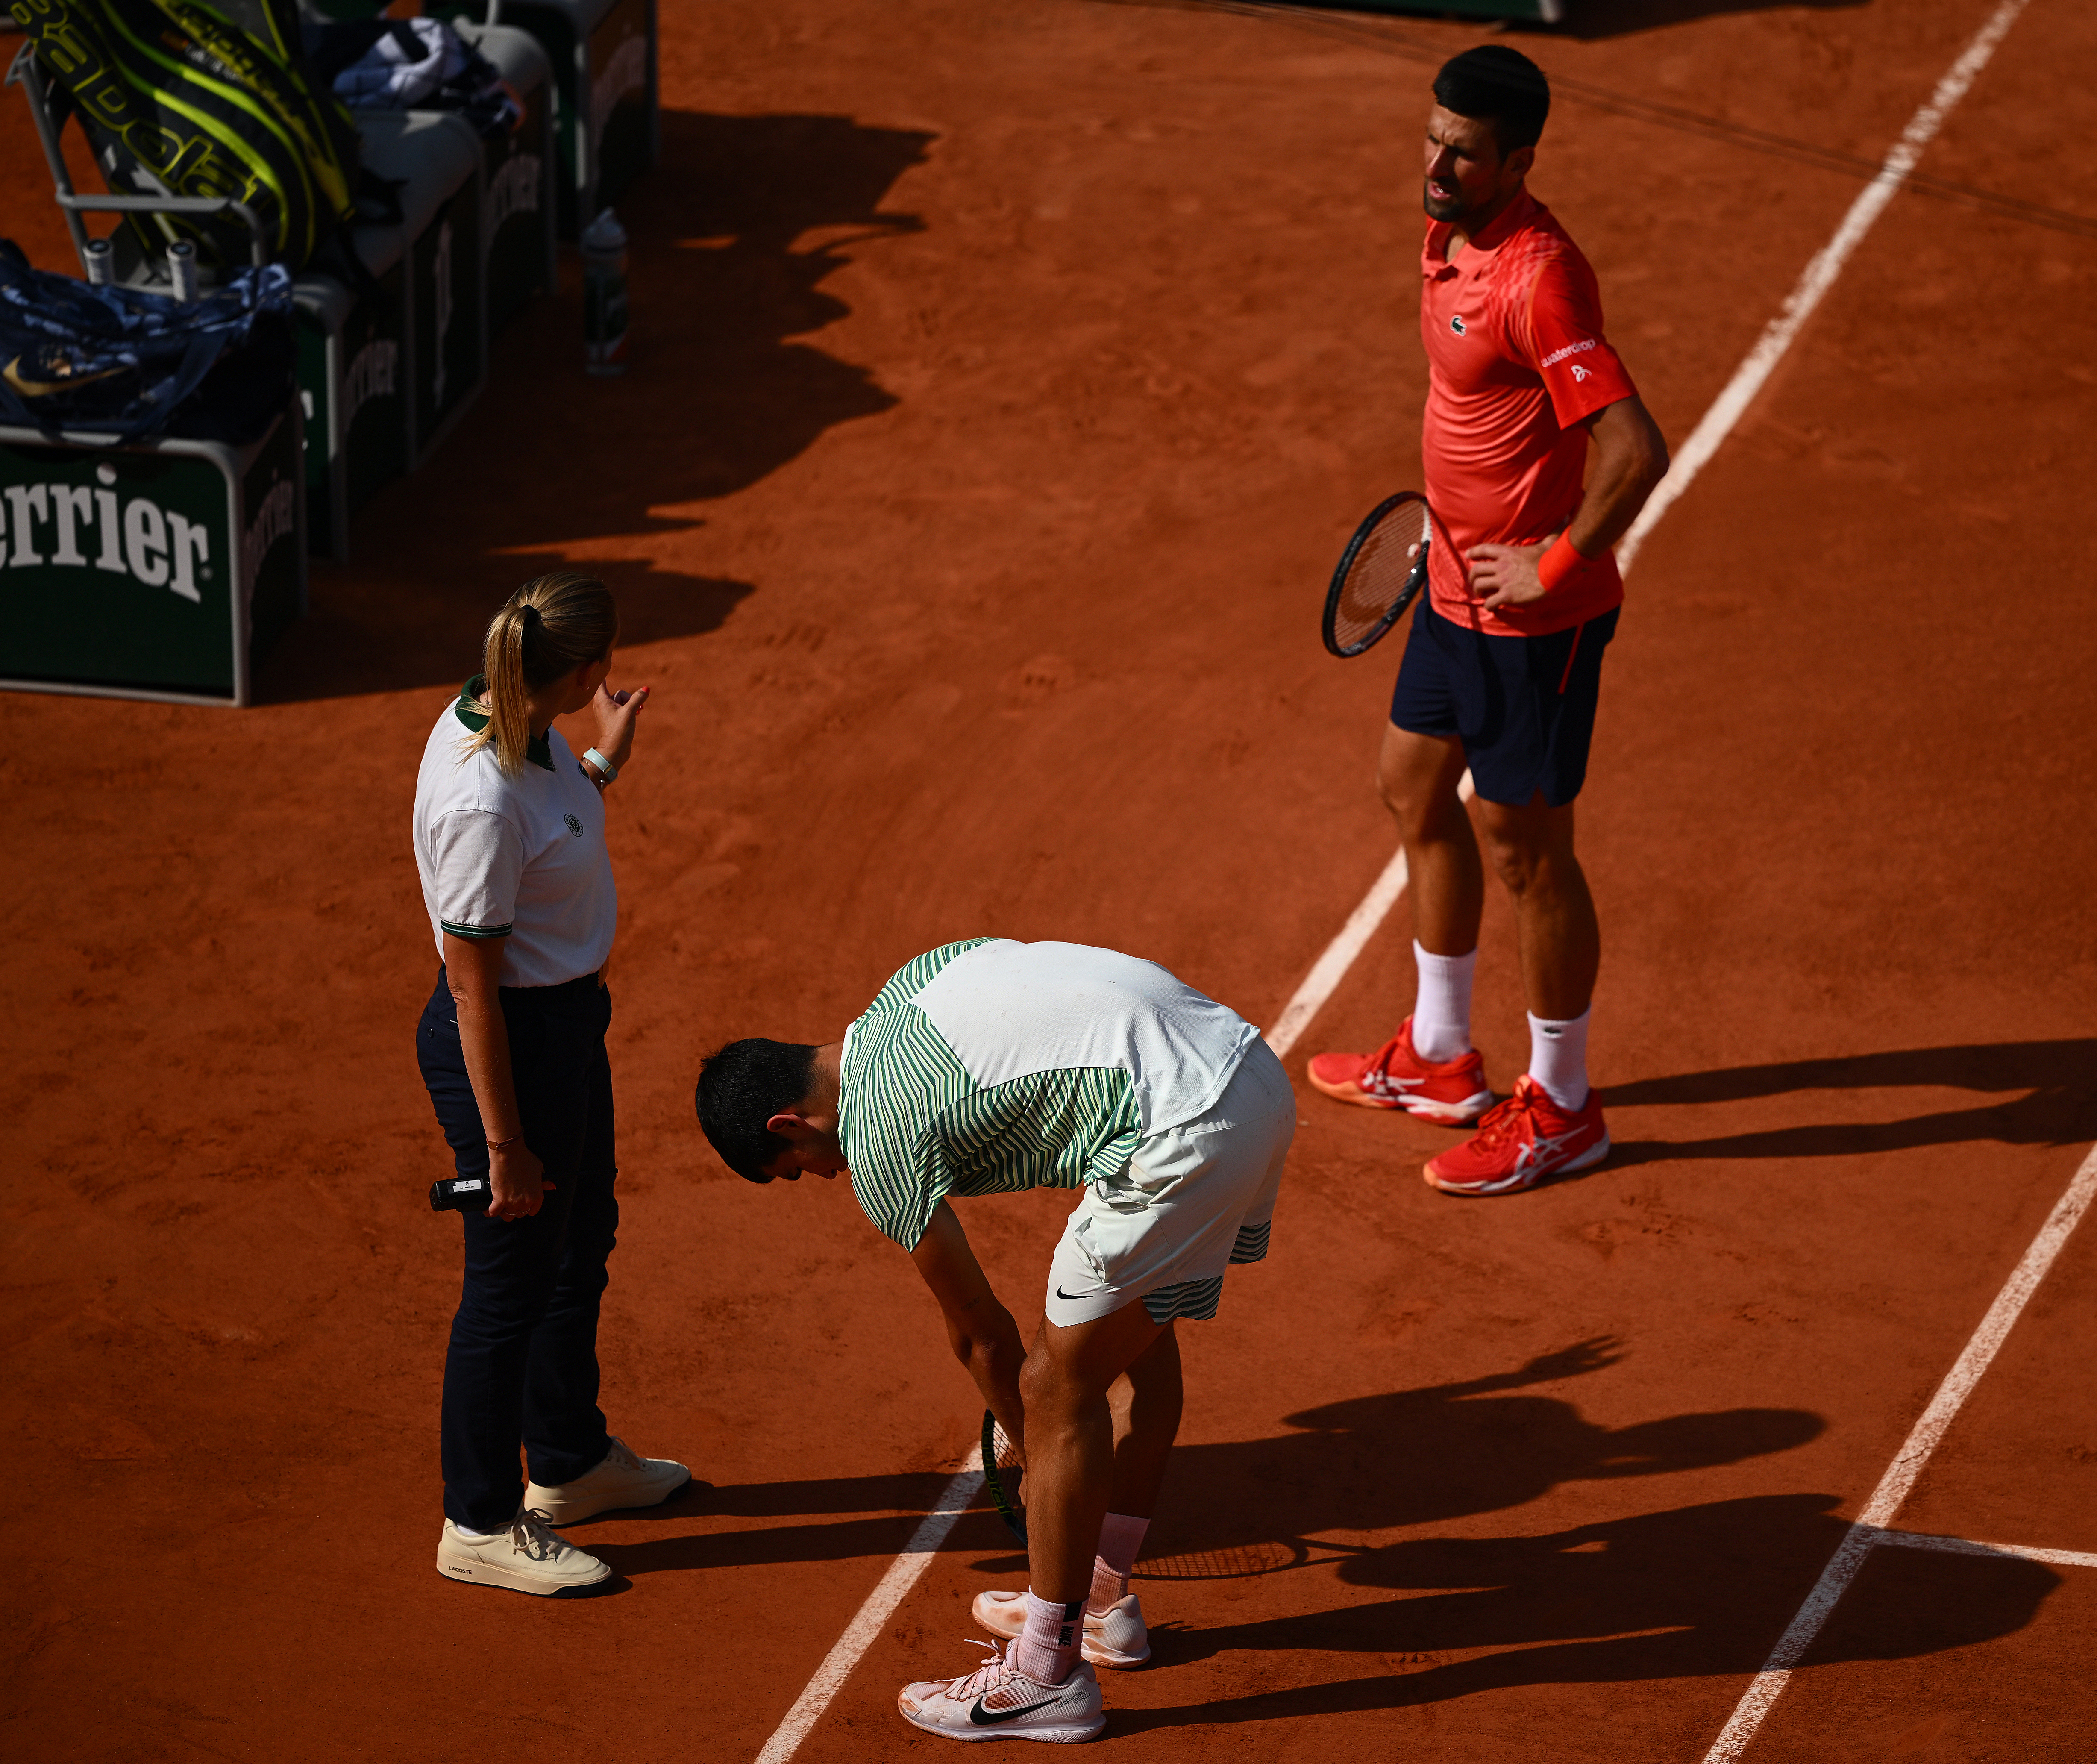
(101, 268)
(604, 295)
(182, 270)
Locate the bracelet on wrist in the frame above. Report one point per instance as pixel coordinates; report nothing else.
(504, 1145)
(1560, 564)
(603, 765)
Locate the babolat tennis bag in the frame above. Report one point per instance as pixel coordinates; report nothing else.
(121, 363)
(183, 99)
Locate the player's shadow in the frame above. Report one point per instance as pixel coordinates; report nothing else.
(2045, 1093)
(1591, 20)
(735, 235)
(1685, 1592)
(1373, 1463)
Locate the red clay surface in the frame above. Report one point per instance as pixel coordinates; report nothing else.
(1006, 376)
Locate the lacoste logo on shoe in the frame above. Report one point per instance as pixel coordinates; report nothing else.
(980, 1717)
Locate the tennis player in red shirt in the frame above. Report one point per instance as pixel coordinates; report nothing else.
(1504, 661)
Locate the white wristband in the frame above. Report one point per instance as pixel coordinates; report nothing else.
(602, 763)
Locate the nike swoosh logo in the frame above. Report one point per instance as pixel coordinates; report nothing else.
(1094, 1294)
(980, 1717)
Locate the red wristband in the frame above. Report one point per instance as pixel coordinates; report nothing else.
(1560, 565)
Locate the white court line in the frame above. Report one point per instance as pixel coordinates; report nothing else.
(1870, 1526)
(1819, 277)
(1331, 968)
(1924, 1540)
(880, 1606)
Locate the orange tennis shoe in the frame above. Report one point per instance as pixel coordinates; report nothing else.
(1395, 1077)
(1525, 1139)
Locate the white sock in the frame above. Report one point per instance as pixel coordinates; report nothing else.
(1441, 1012)
(474, 1537)
(1558, 1059)
(1047, 1649)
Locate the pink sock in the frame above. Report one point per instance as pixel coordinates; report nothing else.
(1120, 1537)
(1047, 1650)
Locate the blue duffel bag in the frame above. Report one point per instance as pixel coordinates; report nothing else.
(114, 364)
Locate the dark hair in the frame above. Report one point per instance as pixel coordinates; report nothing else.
(1502, 86)
(741, 1088)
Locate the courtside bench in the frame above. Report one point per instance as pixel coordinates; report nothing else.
(384, 377)
(518, 194)
(608, 120)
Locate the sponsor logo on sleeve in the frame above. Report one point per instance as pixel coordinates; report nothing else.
(1556, 356)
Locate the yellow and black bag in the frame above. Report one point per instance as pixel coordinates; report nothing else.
(183, 99)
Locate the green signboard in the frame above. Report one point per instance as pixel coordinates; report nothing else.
(146, 569)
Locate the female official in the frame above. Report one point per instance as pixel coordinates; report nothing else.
(509, 843)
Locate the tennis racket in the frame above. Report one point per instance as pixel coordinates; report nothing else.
(1383, 568)
(1001, 1473)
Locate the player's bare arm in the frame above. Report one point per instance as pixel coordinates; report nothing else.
(473, 970)
(1629, 459)
(981, 1331)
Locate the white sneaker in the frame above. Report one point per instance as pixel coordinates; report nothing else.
(529, 1557)
(998, 1701)
(1114, 1637)
(622, 1480)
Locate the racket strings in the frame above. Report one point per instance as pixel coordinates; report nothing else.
(1004, 1455)
(1380, 572)
(1230, 1562)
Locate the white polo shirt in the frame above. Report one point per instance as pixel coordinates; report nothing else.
(522, 858)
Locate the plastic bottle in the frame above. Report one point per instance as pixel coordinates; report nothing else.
(604, 295)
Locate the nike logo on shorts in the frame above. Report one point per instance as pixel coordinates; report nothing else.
(1094, 1294)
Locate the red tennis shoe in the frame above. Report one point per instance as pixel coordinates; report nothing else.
(1525, 1139)
(1395, 1077)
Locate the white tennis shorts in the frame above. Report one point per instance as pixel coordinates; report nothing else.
(1189, 1203)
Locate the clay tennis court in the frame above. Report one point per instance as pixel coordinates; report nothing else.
(1006, 375)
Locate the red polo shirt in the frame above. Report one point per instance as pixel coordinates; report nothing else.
(1516, 360)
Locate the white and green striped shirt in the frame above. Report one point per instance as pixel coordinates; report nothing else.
(991, 1067)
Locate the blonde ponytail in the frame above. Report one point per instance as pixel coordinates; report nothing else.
(550, 627)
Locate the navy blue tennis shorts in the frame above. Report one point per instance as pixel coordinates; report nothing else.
(1524, 707)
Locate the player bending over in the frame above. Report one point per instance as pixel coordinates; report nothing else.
(1503, 663)
(990, 1067)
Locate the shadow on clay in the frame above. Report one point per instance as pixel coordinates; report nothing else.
(2054, 1108)
(1370, 1463)
(734, 234)
(1687, 1592)
(1591, 21)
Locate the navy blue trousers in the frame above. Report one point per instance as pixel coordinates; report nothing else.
(522, 1368)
